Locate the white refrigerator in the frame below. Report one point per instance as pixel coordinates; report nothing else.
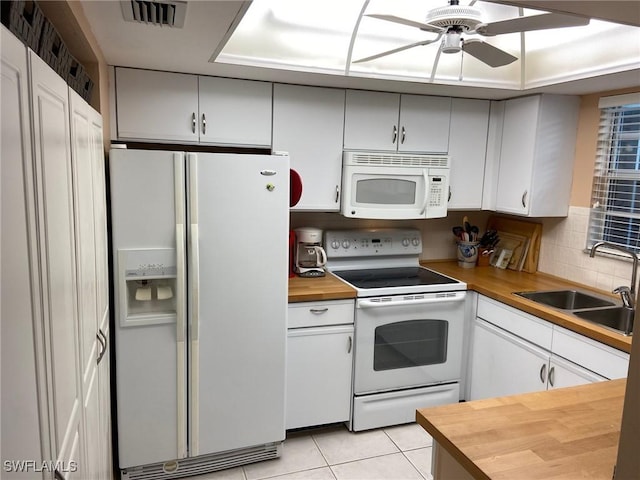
(200, 260)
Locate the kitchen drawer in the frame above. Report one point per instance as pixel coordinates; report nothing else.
(318, 314)
(590, 354)
(526, 326)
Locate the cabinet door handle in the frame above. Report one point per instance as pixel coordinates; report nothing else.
(395, 134)
(350, 344)
(193, 122)
(449, 199)
(543, 373)
(204, 124)
(524, 199)
(101, 336)
(551, 377)
(337, 193)
(101, 349)
(319, 311)
(404, 134)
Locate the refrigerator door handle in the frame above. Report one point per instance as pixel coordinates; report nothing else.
(181, 329)
(194, 304)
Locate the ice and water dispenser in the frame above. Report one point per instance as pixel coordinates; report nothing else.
(148, 286)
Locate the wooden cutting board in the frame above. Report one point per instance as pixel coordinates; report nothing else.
(531, 230)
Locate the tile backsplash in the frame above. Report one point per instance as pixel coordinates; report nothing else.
(563, 254)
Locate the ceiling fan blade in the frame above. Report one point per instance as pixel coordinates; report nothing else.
(533, 22)
(405, 21)
(492, 56)
(396, 50)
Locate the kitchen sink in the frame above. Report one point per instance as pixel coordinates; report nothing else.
(618, 318)
(566, 299)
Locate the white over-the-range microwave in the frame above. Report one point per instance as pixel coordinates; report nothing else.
(394, 186)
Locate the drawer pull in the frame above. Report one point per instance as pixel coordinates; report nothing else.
(319, 311)
(350, 344)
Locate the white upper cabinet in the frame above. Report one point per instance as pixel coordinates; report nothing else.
(159, 106)
(235, 112)
(308, 123)
(181, 108)
(393, 122)
(467, 149)
(536, 158)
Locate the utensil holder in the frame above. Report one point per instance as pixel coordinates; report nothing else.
(467, 254)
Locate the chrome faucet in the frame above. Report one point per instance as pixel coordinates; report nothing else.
(628, 294)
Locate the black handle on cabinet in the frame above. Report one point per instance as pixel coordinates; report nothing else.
(395, 134)
(193, 122)
(204, 124)
(101, 336)
(551, 376)
(543, 374)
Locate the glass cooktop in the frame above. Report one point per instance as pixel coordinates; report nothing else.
(393, 277)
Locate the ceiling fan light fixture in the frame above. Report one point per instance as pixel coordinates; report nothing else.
(452, 42)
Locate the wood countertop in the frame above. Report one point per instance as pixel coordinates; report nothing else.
(311, 289)
(501, 285)
(567, 433)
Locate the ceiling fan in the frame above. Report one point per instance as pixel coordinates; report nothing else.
(452, 21)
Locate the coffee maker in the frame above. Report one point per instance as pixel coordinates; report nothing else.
(310, 257)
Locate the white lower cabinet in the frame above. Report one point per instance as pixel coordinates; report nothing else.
(503, 364)
(319, 363)
(514, 352)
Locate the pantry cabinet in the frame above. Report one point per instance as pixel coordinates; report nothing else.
(467, 149)
(381, 121)
(319, 363)
(514, 352)
(54, 406)
(308, 123)
(57, 256)
(536, 159)
(21, 329)
(91, 252)
(170, 107)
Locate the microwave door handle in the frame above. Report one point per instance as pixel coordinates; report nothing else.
(425, 175)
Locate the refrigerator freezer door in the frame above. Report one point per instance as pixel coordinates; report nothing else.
(238, 229)
(147, 204)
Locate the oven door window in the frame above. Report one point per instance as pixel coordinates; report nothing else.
(410, 344)
(386, 191)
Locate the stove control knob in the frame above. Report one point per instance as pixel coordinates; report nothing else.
(346, 243)
(416, 242)
(335, 244)
(405, 242)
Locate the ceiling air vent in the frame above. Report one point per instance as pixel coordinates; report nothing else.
(152, 12)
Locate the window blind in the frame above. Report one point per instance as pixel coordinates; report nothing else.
(615, 212)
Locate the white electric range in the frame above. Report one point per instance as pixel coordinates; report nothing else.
(409, 325)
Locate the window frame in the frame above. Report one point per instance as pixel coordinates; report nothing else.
(615, 189)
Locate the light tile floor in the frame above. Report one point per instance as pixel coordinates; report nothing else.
(333, 453)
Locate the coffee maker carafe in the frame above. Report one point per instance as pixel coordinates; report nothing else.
(310, 257)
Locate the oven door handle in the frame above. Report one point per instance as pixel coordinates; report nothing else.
(400, 303)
